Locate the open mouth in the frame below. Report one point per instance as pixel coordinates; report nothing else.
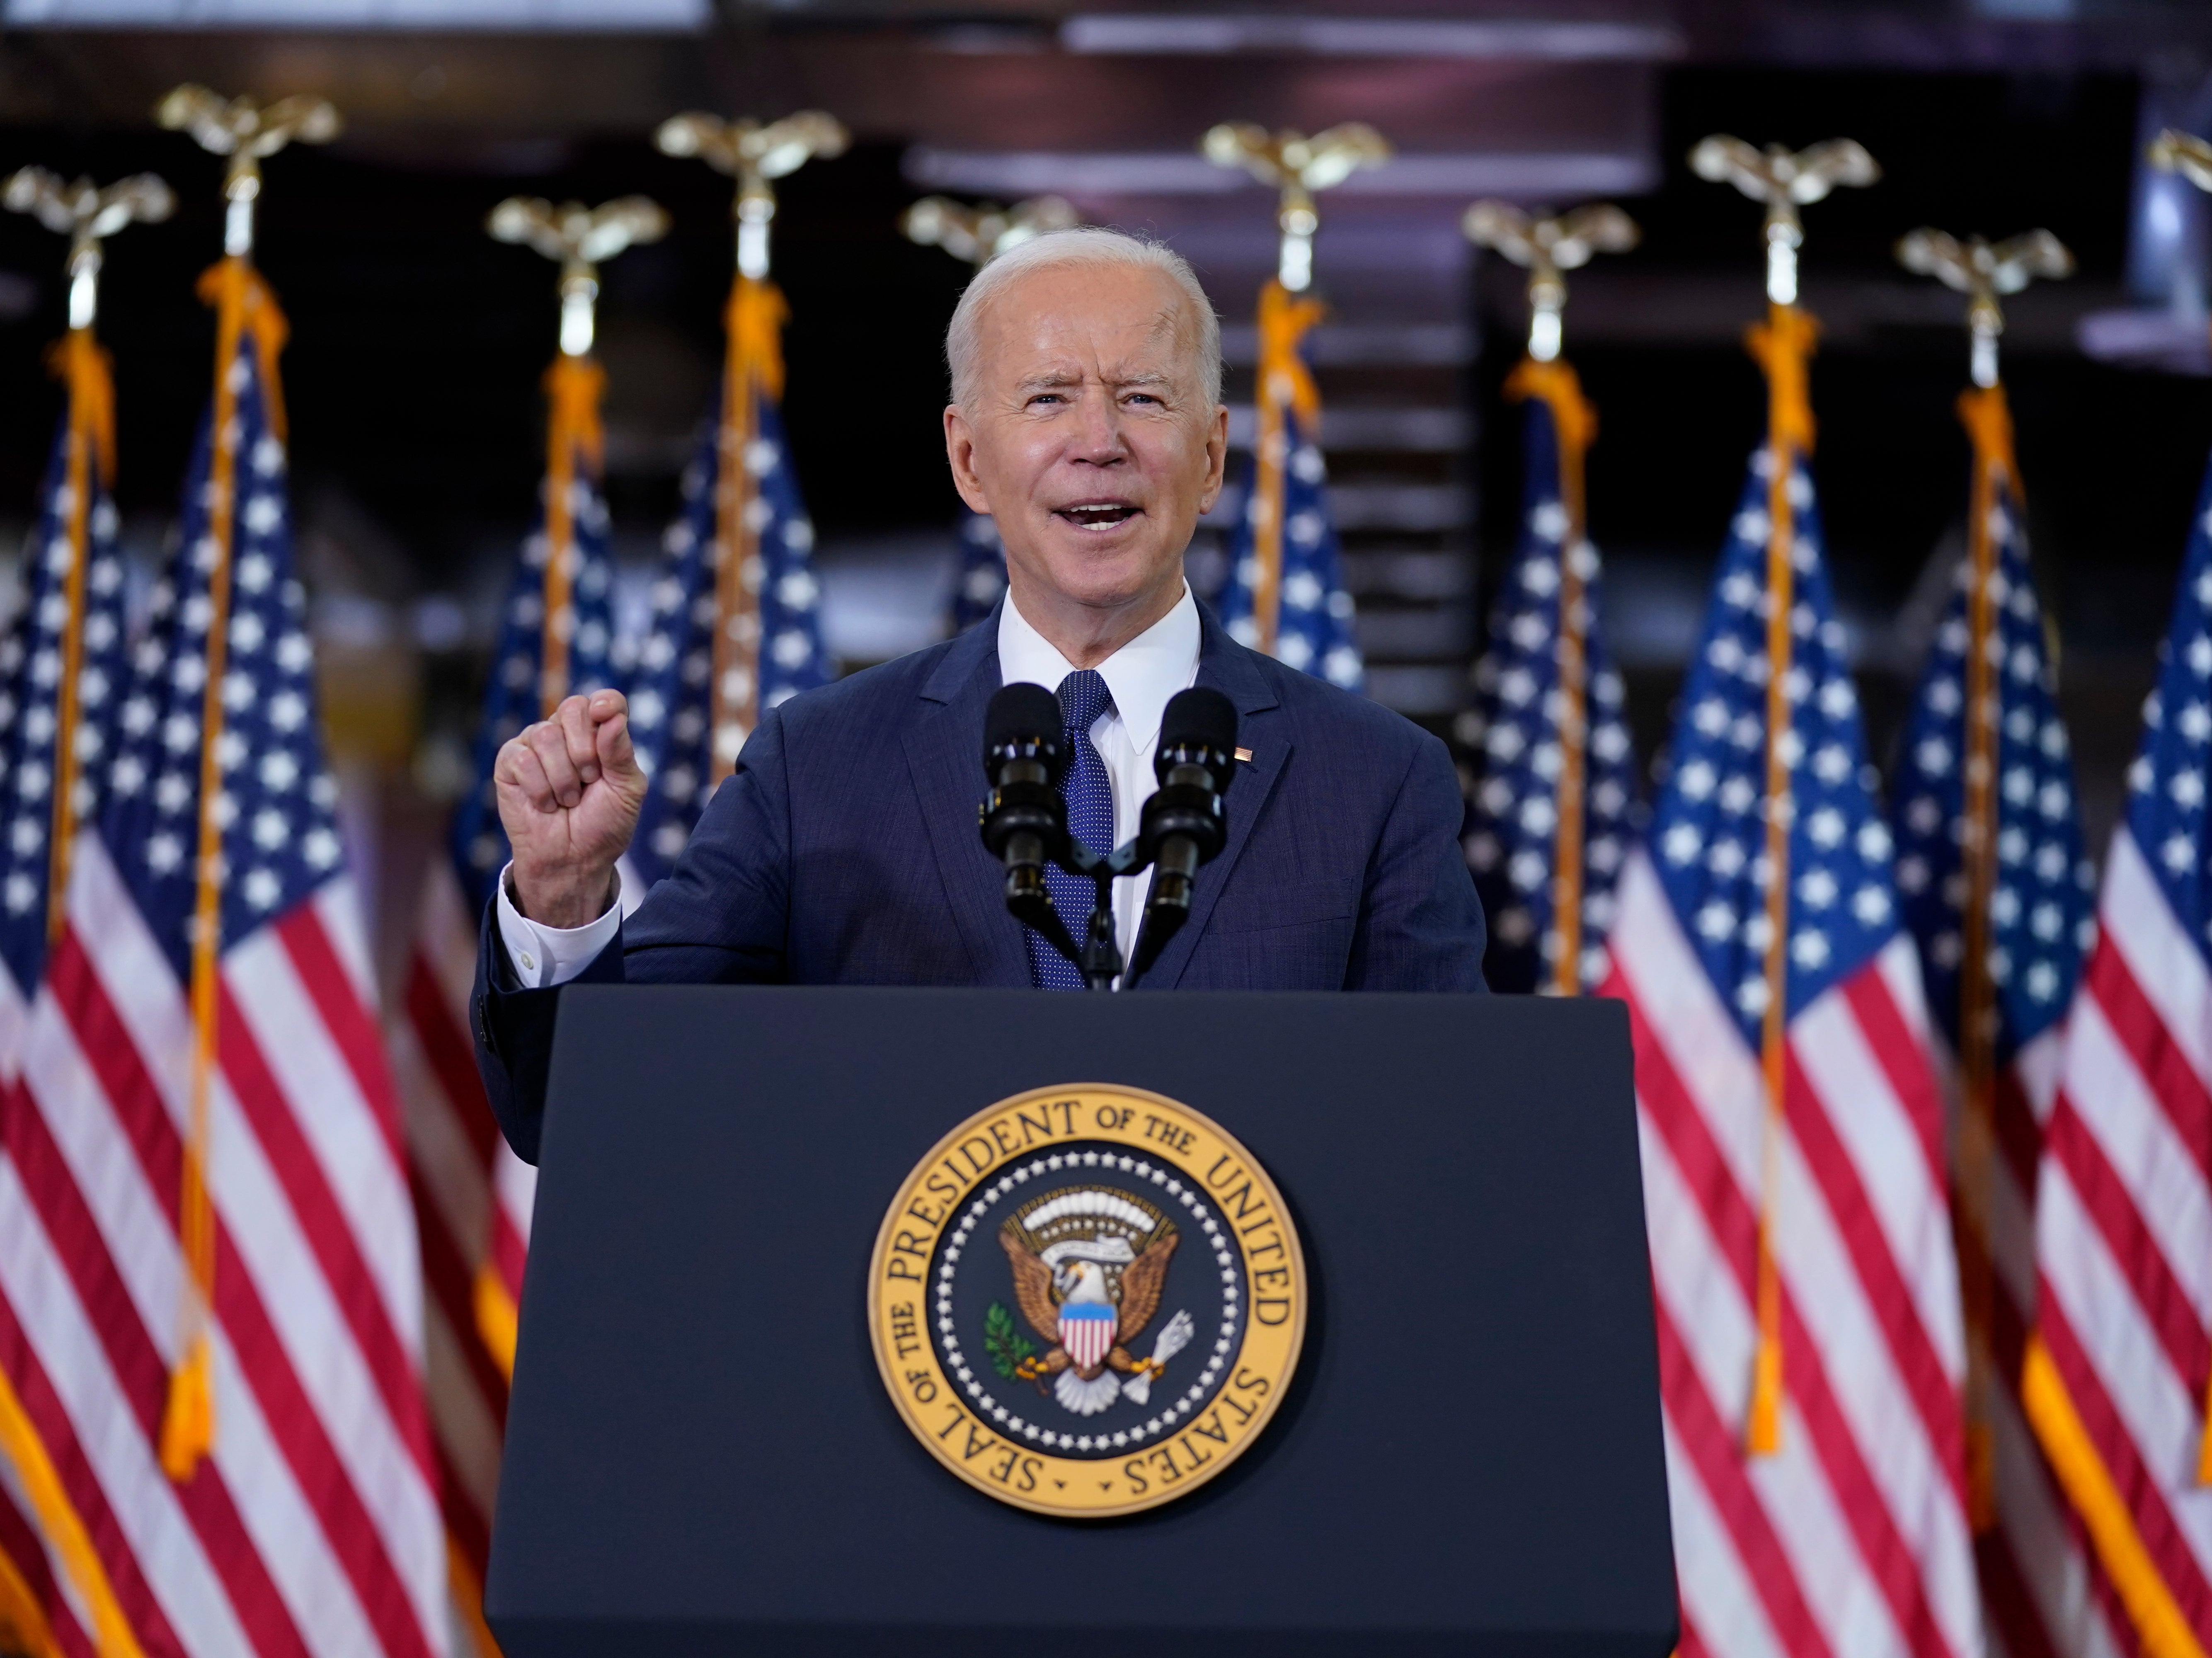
(1097, 514)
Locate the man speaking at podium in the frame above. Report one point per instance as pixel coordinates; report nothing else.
(1086, 419)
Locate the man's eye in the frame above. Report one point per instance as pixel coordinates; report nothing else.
(1045, 397)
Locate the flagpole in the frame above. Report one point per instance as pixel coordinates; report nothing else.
(246, 133)
(1783, 346)
(1297, 166)
(581, 240)
(752, 370)
(88, 215)
(1548, 248)
(1982, 272)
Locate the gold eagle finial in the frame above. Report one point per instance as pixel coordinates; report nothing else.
(87, 213)
(1548, 248)
(582, 239)
(1784, 180)
(1297, 166)
(754, 154)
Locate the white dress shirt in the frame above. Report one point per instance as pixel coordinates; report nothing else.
(1142, 676)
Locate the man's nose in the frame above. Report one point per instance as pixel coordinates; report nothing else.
(1098, 437)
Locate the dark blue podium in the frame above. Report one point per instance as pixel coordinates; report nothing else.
(701, 1456)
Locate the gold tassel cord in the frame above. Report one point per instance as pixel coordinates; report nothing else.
(1286, 384)
(573, 433)
(244, 305)
(752, 371)
(1574, 426)
(1783, 346)
(91, 460)
(1989, 426)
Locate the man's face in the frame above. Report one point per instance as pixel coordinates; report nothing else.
(1087, 435)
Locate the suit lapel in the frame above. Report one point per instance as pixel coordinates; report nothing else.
(944, 755)
(1263, 727)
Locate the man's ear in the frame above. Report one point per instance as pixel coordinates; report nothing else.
(960, 455)
(1217, 457)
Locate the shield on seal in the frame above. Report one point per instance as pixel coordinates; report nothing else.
(1087, 1330)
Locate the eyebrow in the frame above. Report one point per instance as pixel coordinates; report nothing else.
(1052, 378)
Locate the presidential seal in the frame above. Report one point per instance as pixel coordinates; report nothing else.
(1087, 1301)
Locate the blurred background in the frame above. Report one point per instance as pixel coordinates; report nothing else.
(418, 342)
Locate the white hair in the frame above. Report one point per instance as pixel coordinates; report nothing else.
(1086, 246)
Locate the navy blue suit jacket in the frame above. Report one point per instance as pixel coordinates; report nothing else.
(844, 850)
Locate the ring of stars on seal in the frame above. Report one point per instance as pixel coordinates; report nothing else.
(1086, 1301)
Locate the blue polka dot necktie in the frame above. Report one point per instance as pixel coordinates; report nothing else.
(1083, 698)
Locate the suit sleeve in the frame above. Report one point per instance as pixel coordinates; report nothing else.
(721, 917)
(1420, 923)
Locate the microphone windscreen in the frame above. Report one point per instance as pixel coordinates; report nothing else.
(1022, 714)
(1199, 717)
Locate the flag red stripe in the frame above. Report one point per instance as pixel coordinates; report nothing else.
(1890, 1559)
(2173, 1080)
(2164, 1305)
(2019, 1137)
(294, 1425)
(315, 1208)
(1887, 1298)
(20, 1543)
(140, 1370)
(470, 1530)
(1669, 1110)
(352, 1029)
(448, 1279)
(2138, 1488)
(1903, 1061)
(1718, 1459)
(445, 1044)
(86, 1494)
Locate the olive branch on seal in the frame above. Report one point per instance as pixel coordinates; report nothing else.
(1004, 1341)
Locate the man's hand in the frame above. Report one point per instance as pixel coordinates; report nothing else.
(569, 791)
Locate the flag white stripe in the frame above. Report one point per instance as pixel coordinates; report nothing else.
(298, 1300)
(2157, 1408)
(1877, 1134)
(466, 1428)
(2053, 1570)
(2162, 959)
(2040, 1067)
(337, 908)
(1718, 1598)
(15, 1024)
(2114, 1103)
(516, 1182)
(119, 1454)
(1719, 1333)
(447, 936)
(445, 1163)
(143, 1247)
(334, 1118)
(1683, 1016)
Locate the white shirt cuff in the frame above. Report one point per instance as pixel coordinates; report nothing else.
(543, 956)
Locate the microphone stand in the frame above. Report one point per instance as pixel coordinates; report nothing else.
(1099, 957)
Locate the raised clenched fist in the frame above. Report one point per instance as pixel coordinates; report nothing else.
(569, 791)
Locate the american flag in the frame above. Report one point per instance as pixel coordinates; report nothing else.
(472, 1194)
(982, 575)
(1997, 897)
(737, 611)
(1549, 812)
(308, 1521)
(1850, 1534)
(63, 658)
(2115, 1382)
(1286, 594)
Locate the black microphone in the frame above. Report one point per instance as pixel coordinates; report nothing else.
(1024, 816)
(1183, 825)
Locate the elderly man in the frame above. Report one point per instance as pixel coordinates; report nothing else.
(1086, 419)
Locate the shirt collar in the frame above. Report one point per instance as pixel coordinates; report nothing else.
(1142, 675)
